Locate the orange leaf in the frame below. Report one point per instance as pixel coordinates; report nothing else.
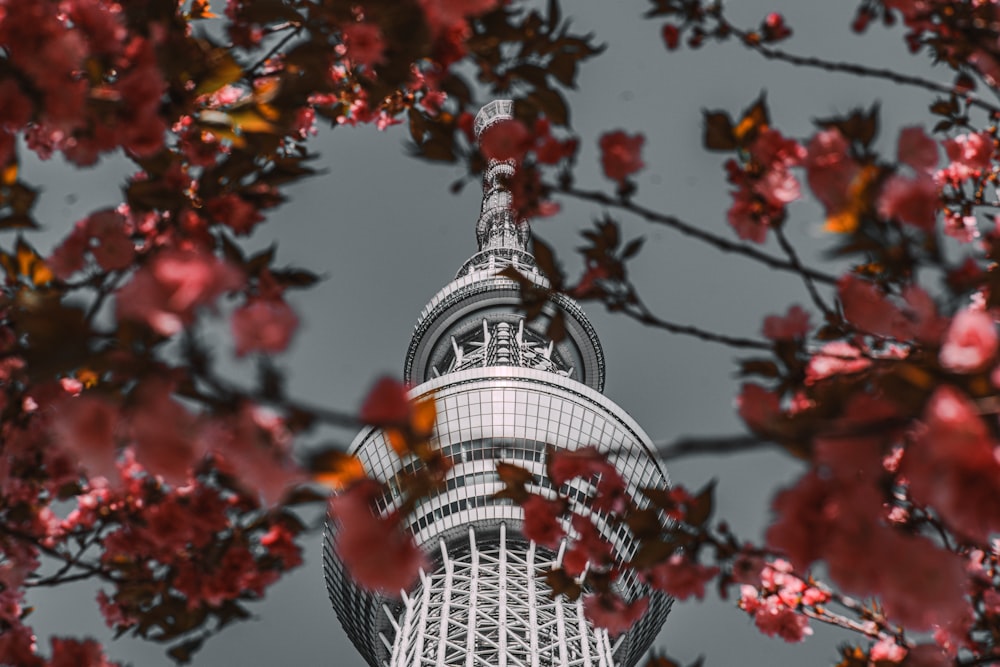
(423, 417)
(398, 441)
(9, 174)
(336, 469)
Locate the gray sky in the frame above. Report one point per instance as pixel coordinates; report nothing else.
(384, 230)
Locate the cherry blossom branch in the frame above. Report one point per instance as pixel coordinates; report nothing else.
(709, 446)
(771, 53)
(104, 290)
(89, 570)
(835, 619)
(277, 47)
(718, 242)
(60, 576)
(638, 311)
(793, 257)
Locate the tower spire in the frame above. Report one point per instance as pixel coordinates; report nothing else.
(498, 226)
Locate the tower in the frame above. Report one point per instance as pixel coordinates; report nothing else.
(504, 392)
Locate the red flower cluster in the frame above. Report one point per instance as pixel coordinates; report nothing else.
(764, 184)
(621, 154)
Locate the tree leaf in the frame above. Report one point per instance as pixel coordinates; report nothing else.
(701, 506)
(718, 131)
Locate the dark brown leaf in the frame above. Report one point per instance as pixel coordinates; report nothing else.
(719, 131)
(701, 506)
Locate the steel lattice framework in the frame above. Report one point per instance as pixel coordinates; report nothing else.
(486, 606)
(503, 392)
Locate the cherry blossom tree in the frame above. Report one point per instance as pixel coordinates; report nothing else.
(130, 459)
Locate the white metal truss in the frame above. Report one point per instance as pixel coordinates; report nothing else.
(487, 605)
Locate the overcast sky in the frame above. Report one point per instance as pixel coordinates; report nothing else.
(387, 235)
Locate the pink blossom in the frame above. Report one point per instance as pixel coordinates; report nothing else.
(793, 325)
(252, 445)
(164, 432)
(17, 645)
(758, 407)
(951, 465)
(680, 577)
(506, 140)
(830, 169)
(777, 186)
(671, 36)
(365, 45)
(970, 342)
(110, 243)
(280, 543)
(15, 106)
(887, 650)
(75, 653)
(263, 325)
(612, 613)
(771, 148)
(916, 149)
(166, 292)
(963, 228)
(115, 614)
(86, 426)
(927, 585)
(836, 358)
(377, 552)
(69, 256)
(235, 212)
(621, 154)
(868, 308)
(928, 655)
(568, 464)
(231, 576)
(925, 324)
(913, 200)
(987, 65)
(775, 619)
(444, 16)
(803, 522)
(541, 521)
(974, 151)
(387, 403)
(748, 217)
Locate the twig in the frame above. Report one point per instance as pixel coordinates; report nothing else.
(718, 242)
(103, 291)
(277, 47)
(772, 53)
(705, 446)
(793, 257)
(638, 311)
(88, 569)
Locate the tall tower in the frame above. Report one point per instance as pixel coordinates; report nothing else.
(504, 392)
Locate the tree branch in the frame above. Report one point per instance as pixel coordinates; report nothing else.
(772, 53)
(709, 446)
(808, 280)
(718, 242)
(638, 311)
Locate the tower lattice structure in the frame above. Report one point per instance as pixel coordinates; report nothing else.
(504, 392)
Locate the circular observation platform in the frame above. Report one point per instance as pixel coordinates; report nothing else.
(488, 415)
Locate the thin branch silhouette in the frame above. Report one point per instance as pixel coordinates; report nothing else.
(688, 229)
(771, 53)
(709, 446)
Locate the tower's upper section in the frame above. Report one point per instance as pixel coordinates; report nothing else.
(474, 321)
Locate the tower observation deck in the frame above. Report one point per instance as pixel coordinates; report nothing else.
(504, 392)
